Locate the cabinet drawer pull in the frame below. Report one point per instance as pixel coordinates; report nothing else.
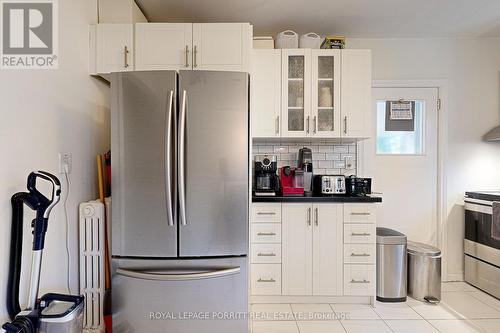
(359, 254)
(195, 55)
(187, 57)
(266, 255)
(345, 125)
(360, 281)
(266, 234)
(308, 118)
(266, 213)
(360, 214)
(278, 125)
(360, 234)
(315, 125)
(266, 280)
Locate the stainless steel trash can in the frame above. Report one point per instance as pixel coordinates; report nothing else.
(391, 265)
(424, 272)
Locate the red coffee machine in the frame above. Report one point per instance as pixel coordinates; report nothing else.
(292, 181)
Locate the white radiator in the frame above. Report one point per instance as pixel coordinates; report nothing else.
(92, 264)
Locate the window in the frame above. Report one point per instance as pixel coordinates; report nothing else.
(394, 137)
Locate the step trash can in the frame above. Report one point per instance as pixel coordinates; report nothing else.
(391, 265)
(424, 272)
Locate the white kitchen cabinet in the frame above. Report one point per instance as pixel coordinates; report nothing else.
(327, 249)
(266, 93)
(222, 46)
(325, 93)
(297, 249)
(296, 92)
(163, 46)
(114, 48)
(312, 249)
(356, 93)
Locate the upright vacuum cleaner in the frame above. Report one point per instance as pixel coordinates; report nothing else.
(53, 313)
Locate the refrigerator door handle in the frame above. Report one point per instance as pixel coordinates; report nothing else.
(168, 160)
(181, 162)
(159, 275)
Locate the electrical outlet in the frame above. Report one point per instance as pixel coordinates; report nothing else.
(349, 163)
(65, 162)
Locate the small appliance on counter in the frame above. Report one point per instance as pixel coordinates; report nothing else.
(358, 187)
(266, 179)
(292, 181)
(306, 165)
(329, 185)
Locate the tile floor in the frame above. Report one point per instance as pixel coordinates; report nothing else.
(463, 309)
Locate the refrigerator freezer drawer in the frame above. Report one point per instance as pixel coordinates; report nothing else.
(181, 296)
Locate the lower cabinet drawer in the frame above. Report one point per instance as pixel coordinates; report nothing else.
(266, 212)
(265, 279)
(265, 232)
(360, 253)
(359, 280)
(359, 233)
(266, 253)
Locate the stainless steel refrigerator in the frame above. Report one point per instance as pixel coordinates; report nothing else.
(180, 183)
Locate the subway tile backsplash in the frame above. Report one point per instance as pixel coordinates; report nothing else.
(328, 158)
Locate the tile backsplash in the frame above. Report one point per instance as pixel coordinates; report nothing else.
(328, 158)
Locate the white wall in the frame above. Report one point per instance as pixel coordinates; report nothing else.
(42, 113)
(472, 68)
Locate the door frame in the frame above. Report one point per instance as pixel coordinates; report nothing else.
(442, 86)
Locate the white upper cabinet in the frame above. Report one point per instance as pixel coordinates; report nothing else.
(325, 94)
(166, 46)
(222, 46)
(170, 46)
(114, 47)
(356, 93)
(266, 92)
(327, 249)
(296, 92)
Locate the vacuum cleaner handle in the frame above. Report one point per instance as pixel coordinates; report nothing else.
(56, 190)
(43, 205)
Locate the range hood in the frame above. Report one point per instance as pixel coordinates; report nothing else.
(493, 135)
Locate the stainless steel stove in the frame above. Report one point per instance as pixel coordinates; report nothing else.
(482, 251)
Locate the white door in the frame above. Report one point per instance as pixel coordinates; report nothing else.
(266, 93)
(327, 249)
(163, 46)
(115, 48)
(402, 158)
(356, 93)
(221, 46)
(325, 93)
(296, 92)
(297, 249)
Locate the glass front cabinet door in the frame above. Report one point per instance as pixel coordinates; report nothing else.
(311, 93)
(325, 93)
(296, 92)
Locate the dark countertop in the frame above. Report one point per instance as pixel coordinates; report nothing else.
(338, 198)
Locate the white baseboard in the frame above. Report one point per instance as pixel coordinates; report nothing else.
(311, 299)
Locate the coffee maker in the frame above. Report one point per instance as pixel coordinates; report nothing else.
(306, 165)
(266, 180)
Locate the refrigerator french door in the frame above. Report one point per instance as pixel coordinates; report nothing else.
(180, 199)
